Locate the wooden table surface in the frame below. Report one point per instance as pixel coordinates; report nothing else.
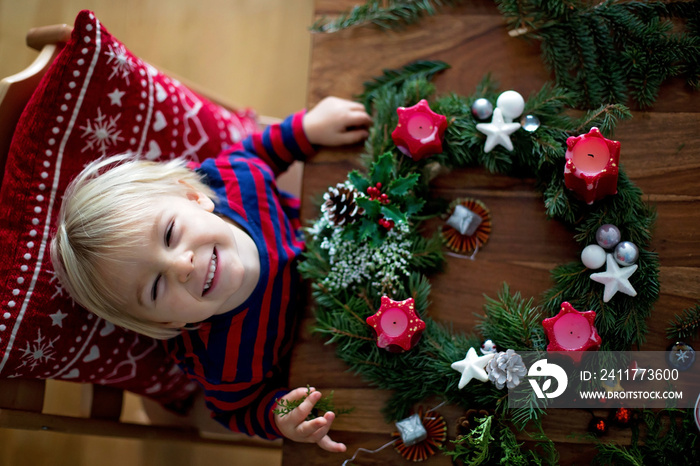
(660, 152)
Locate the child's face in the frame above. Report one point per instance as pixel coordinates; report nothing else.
(187, 268)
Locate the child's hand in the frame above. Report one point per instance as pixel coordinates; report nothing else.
(335, 122)
(294, 425)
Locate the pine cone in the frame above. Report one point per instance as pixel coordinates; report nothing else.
(506, 368)
(340, 206)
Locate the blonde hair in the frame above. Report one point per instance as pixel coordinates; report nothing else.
(101, 215)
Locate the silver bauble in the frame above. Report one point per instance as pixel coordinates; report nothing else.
(626, 253)
(482, 109)
(530, 123)
(608, 236)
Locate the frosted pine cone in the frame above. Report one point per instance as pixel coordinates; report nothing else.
(340, 206)
(506, 368)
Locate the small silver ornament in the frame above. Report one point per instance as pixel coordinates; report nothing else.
(680, 356)
(530, 123)
(626, 253)
(608, 236)
(464, 220)
(482, 109)
(412, 430)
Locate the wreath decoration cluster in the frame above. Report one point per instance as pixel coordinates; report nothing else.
(381, 247)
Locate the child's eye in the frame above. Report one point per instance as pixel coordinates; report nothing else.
(169, 233)
(154, 290)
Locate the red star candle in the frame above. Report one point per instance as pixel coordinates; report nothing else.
(396, 324)
(571, 330)
(591, 165)
(420, 131)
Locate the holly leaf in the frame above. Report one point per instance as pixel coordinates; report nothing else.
(371, 207)
(382, 170)
(391, 212)
(414, 207)
(358, 181)
(368, 229)
(349, 234)
(401, 186)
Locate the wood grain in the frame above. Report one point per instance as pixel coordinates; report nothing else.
(660, 153)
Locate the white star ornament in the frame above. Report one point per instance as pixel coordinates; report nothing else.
(471, 367)
(497, 132)
(615, 278)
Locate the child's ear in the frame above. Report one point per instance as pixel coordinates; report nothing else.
(199, 197)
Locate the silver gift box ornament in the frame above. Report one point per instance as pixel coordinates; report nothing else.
(464, 220)
(412, 430)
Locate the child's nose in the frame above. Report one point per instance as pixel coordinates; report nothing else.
(183, 266)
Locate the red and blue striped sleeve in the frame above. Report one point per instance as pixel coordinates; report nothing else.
(279, 144)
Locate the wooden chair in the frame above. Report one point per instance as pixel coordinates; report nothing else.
(24, 403)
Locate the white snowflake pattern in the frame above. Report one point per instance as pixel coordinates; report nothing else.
(682, 355)
(102, 132)
(121, 62)
(59, 288)
(40, 351)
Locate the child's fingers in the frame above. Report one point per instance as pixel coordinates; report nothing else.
(323, 439)
(320, 435)
(302, 411)
(358, 118)
(329, 445)
(298, 393)
(353, 136)
(312, 431)
(355, 105)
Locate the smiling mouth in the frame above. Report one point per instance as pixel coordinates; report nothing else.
(212, 272)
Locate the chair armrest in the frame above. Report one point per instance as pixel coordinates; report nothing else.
(38, 37)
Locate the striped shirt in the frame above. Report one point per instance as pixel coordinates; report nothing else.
(239, 357)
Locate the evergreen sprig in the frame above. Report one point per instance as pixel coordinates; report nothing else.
(609, 51)
(325, 404)
(393, 79)
(513, 322)
(386, 14)
(684, 325)
(492, 442)
(664, 437)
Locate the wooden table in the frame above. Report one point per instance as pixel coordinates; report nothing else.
(660, 152)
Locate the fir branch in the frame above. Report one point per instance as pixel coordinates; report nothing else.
(605, 118)
(512, 322)
(604, 52)
(325, 404)
(684, 325)
(493, 442)
(610, 51)
(384, 14)
(394, 79)
(473, 449)
(669, 437)
(347, 308)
